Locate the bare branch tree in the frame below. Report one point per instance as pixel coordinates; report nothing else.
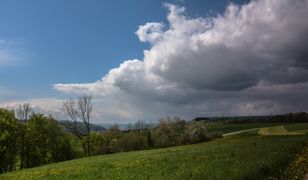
(80, 111)
(23, 111)
(85, 109)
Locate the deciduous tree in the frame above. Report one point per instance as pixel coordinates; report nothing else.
(8, 140)
(80, 111)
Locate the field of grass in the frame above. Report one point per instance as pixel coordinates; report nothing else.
(277, 130)
(299, 166)
(232, 127)
(242, 156)
(298, 127)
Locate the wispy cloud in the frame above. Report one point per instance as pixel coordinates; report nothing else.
(46, 104)
(11, 53)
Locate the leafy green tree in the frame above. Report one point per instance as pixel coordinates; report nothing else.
(174, 131)
(22, 113)
(58, 143)
(47, 141)
(97, 142)
(162, 134)
(37, 134)
(110, 140)
(133, 141)
(22, 144)
(8, 140)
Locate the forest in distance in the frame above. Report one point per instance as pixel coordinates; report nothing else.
(30, 139)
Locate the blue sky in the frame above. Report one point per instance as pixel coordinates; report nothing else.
(76, 41)
(143, 59)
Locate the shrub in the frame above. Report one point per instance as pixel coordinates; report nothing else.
(98, 140)
(132, 141)
(174, 131)
(168, 132)
(114, 146)
(197, 132)
(214, 135)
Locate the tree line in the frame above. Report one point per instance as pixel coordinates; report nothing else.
(300, 117)
(32, 141)
(297, 117)
(168, 132)
(29, 139)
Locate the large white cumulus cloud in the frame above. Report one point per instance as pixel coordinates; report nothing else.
(214, 64)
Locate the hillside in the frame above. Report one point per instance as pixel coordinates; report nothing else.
(244, 156)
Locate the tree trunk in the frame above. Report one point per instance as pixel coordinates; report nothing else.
(22, 155)
(89, 144)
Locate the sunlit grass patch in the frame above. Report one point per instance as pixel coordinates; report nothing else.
(277, 130)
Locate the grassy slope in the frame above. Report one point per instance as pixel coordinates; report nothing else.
(299, 127)
(243, 156)
(299, 167)
(230, 127)
(277, 130)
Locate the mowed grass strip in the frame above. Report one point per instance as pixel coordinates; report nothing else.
(277, 130)
(243, 156)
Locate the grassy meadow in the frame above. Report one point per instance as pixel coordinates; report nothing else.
(248, 155)
(277, 130)
(298, 127)
(232, 127)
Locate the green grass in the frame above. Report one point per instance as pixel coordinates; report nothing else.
(299, 127)
(232, 127)
(299, 166)
(277, 130)
(242, 156)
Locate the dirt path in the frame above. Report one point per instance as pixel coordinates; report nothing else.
(238, 132)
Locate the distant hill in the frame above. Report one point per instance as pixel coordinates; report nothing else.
(109, 125)
(297, 117)
(93, 127)
(234, 118)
